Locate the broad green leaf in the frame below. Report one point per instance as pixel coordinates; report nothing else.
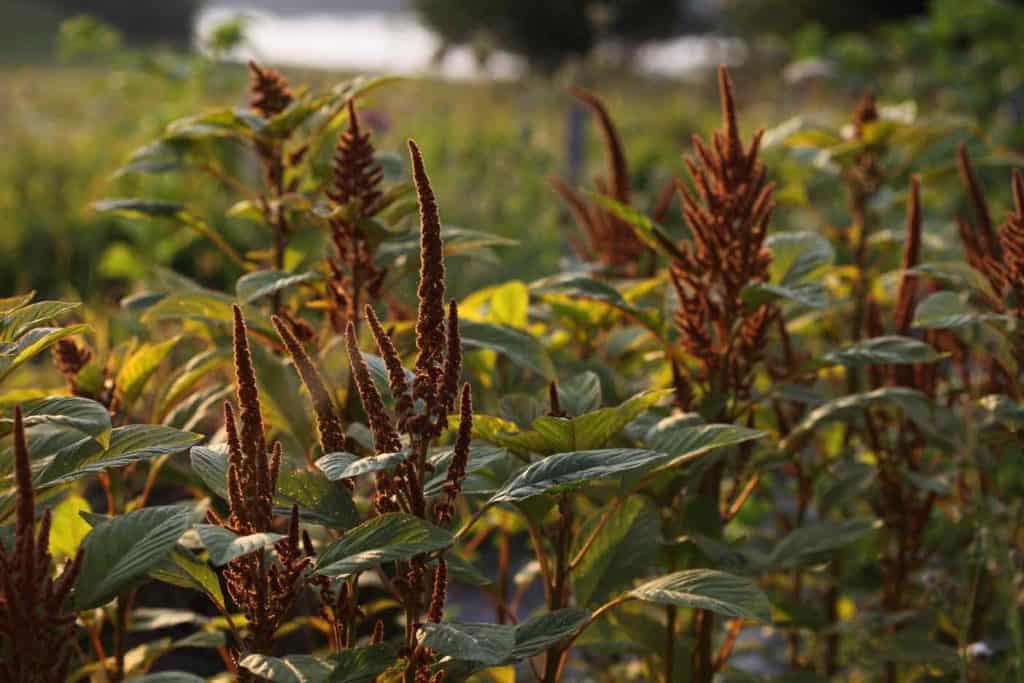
(32, 343)
(362, 664)
(810, 294)
(505, 304)
(890, 349)
(81, 414)
(139, 208)
(486, 644)
(123, 549)
(708, 589)
(624, 549)
(342, 465)
(519, 347)
(128, 445)
(182, 568)
(477, 480)
(577, 286)
(67, 528)
(225, 545)
(797, 256)
(10, 303)
(253, 286)
(223, 122)
(379, 373)
(318, 498)
(652, 234)
(806, 544)
(564, 470)
(538, 633)
(20, 320)
(683, 439)
(386, 538)
(580, 393)
(290, 669)
(140, 366)
(947, 310)
(914, 405)
(200, 305)
(958, 273)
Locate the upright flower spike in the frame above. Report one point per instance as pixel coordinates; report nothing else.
(36, 631)
(609, 240)
(1011, 241)
(445, 510)
(911, 257)
(252, 440)
(329, 427)
(356, 191)
(357, 173)
(439, 595)
(983, 227)
(449, 386)
(430, 334)
(270, 94)
(396, 371)
(385, 437)
(728, 217)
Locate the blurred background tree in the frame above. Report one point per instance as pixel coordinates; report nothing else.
(548, 34)
(141, 22)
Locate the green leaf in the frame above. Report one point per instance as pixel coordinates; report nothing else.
(318, 498)
(486, 644)
(123, 549)
(807, 543)
(386, 538)
(81, 414)
(797, 256)
(810, 294)
(683, 440)
(169, 677)
(538, 633)
(290, 669)
(183, 569)
(342, 465)
(140, 366)
(362, 664)
(947, 310)
(580, 393)
(914, 405)
(20, 320)
(652, 234)
(253, 286)
(625, 548)
(958, 273)
(139, 208)
(565, 470)
(225, 545)
(14, 354)
(519, 347)
(68, 529)
(708, 589)
(890, 349)
(595, 290)
(128, 445)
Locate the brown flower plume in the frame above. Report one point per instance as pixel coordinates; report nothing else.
(356, 189)
(264, 590)
(269, 91)
(608, 240)
(36, 631)
(728, 218)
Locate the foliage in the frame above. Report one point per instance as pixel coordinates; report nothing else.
(787, 441)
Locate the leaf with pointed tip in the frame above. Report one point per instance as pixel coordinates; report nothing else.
(518, 346)
(684, 440)
(538, 633)
(80, 414)
(139, 207)
(123, 549)
(183, 569)
(32, 343)
(708, 589)
(948, 310)
(18, 321)
(797, 256)
(261, 283)
(390, 537)
(290, 669)
(486, 644)
(342, 465)
(362, 664)
(225, 545)
(805, 544)
(566, 470)
(889, 349)
(140, 366)
(128, 444)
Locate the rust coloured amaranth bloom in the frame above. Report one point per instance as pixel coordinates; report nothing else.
(729, 218)
(356, 192)
(329, 427)
(608, 240)
(265, 590)
(36, 631)
(269, 91)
